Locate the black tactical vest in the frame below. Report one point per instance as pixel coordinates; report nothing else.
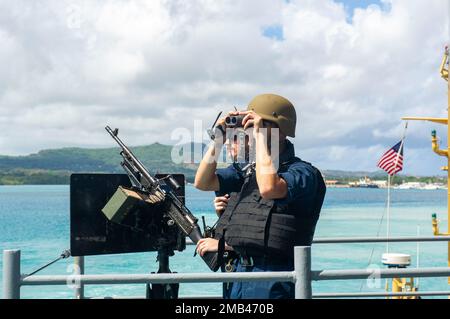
(254, 226)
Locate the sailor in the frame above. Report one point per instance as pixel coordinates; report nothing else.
(273, 204)
(220, 204)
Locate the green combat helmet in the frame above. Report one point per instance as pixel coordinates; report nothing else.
(277, 109)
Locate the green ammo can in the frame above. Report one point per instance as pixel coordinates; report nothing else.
(121, 204)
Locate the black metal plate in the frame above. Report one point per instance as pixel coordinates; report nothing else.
(91, 233)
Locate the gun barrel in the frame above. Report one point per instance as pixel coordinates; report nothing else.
(131, 158)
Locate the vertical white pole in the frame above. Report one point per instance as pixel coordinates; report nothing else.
(389, 185)
(418, 255)
(388, 213)
(79, 267)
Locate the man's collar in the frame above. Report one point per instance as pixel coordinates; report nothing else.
(288, 153)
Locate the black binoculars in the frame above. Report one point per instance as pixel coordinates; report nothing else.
(234, 121)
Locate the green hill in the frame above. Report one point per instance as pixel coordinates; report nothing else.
(55, 166)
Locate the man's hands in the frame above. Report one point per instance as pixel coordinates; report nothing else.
(252, 119)
(205, 245)
(220, 203)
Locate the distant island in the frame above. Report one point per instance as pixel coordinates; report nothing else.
(54, 167)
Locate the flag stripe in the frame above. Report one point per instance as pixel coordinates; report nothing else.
(391, 167)
(387, 159)
(392, 164)
(386, 156)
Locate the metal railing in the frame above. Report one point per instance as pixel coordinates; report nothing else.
(365, 240)
(302, 275)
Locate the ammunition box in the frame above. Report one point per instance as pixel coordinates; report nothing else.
(121, 204)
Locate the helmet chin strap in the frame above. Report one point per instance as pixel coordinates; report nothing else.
(246, 170)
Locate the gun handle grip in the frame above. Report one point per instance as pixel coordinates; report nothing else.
(211, 259)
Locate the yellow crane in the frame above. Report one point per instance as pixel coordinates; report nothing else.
(441, 152)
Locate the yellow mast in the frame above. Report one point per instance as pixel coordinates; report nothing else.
(440, 152)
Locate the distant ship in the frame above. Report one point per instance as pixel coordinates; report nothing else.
(418, 185)
(363, 183)
(411, 185)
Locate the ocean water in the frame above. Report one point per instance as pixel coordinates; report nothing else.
(35, 219)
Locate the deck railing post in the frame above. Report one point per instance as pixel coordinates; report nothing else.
(302, 268)
(11, 274)
(79, 267)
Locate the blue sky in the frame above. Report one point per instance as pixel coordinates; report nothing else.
(350, 5)
(276, 31)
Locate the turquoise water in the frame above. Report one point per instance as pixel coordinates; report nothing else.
(35, 219)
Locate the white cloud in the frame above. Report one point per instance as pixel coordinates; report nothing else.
(70, 67)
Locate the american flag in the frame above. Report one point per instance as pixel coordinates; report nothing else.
(392, 160)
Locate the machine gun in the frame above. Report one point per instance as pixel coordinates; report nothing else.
(178, 213)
